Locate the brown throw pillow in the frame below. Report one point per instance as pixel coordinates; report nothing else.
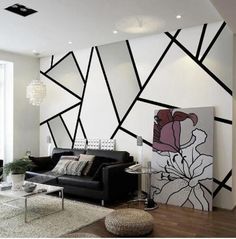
(89, 159)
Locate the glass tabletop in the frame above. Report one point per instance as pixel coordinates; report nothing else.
(141, 170)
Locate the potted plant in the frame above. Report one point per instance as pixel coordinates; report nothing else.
(17, 170)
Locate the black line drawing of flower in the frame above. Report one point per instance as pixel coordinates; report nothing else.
(184, 174)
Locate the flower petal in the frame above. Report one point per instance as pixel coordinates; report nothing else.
(180, 197)
(159, 161)
(170, 189)
(168, 137)
(189, 150)
(181, 116)
(200, 165)
(206, 174)
(198, 199)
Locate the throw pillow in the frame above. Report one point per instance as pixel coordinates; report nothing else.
(42, 163)
(98, 174)
(89, 159)
(56, 156)
(69, 157)
(75, 167)
(60, 168)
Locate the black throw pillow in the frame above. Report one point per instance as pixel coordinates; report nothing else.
(56, 156)
(42, 163)
(98, 174)
(99, 161)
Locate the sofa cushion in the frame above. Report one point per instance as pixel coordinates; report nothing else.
(85, 182)
(121, 156)
(57, 156)
(74, 151)
(42, 163)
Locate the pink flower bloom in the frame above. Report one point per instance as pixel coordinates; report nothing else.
(167, 128)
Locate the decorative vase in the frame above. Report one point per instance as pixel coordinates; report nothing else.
(17, 181)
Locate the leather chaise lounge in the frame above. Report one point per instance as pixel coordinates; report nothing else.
(110, 183)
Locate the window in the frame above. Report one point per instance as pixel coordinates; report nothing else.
(2, 103)
(6, 111)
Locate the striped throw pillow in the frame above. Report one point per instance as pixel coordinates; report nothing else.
(75, 167)
(61, 166)
(89, 159)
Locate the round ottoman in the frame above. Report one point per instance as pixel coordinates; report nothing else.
(129, 222)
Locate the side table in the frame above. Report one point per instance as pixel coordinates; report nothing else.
(148, 171)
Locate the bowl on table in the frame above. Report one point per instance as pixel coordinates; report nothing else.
(29, 187)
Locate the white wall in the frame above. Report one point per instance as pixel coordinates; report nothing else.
(234, 123)
(25, 116)
(178, 81)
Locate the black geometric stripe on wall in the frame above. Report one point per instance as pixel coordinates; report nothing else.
(64, 124)
(121, 120)
(134, 65)
(145, 84)
(199, 62)
(59, 61)
(82, 100)
(201, 40)
(213, 41)
(69, 57)
(218, 119)
(108, 86)
(52, 59)
(62, 86)
(223, 184)
(60, 113)
(51, 133)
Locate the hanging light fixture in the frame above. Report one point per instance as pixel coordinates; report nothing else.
(35, 92)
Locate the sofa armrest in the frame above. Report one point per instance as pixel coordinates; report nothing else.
(117, 183)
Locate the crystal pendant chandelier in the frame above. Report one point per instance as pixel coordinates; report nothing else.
(35, 92)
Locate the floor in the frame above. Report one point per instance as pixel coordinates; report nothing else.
(171, 221)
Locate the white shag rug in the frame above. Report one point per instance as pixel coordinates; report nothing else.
(75, 216)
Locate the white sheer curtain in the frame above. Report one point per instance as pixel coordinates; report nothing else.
(2, 103)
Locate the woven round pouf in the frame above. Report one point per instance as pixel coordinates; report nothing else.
(129, 222)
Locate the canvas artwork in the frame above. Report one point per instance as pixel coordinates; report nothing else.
(183, 157)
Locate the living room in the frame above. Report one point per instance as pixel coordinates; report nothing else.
(93, 88)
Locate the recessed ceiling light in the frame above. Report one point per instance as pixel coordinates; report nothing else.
(23, 9)
(20, 10)
(34, 51)
(115, 32)
(178, 16)
(70, 42)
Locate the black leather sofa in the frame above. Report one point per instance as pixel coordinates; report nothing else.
(114, 183)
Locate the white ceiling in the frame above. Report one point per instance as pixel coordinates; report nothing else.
(227, 9)
(91, 22)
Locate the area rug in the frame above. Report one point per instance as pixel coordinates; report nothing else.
(75, 216)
